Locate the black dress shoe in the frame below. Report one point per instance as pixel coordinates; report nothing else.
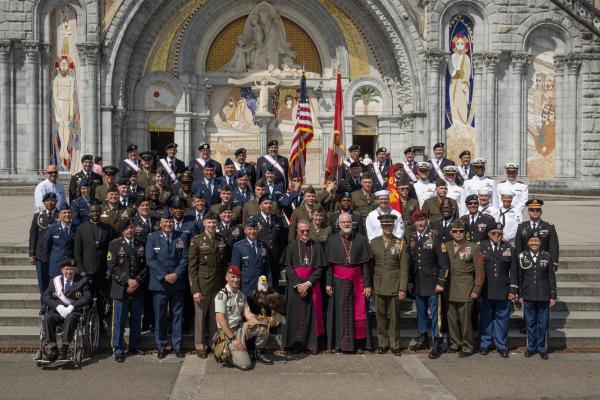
(161, 354)
(63, 354)
(544, 356)
(484, 352)
(421, 344)
(503, 353)
(137, 352)
(42, 311)
(119, 358)
(51, 355)
(397, 352)
(180, 354)
(263, 358)
(464, 354)
(382, 350)
(529, 353)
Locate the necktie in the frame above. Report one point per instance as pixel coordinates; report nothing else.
(169, 242)
(172, 162)
(534, 226)
(67, 286)
(494, 248)
(254, 247)
(67, 231)
(210, 187)
(125, 202)
(178, 226)
(472, 219)
(534, 258)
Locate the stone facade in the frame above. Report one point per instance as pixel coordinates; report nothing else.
(405, 49)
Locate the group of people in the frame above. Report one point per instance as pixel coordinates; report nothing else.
(236, 249)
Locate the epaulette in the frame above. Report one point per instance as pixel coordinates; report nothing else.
(196, 237)
(503, 181)
(521, 182)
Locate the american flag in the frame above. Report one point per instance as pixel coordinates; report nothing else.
(303, 134)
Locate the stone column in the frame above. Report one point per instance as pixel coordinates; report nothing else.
(570, 136)
(560, 115)
(45, 109)
(263, 123)
(491, 60)
(88, 101)
(5, 150)
(434, 61)
(480, 104)
(32, 53)
(517, 137)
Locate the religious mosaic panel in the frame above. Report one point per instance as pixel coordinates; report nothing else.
(541, 124)
(65, 117)
(460, 111)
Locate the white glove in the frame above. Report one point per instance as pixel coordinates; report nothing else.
(61, 310)
(69, 310)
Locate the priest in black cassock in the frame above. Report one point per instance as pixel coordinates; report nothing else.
(349, 284)
(304, 260)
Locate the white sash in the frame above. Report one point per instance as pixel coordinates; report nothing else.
(167, 168)
(462, 172)
(347, 163)
(438, 170)
(59, 290)
(237, 166)
(201, 161)
(378, 172)
(132, 165)
(275, 165)
(409, 171)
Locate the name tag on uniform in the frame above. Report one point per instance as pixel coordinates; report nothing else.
(55, 237)
(506, 253)
(245, 257)
(157, 249)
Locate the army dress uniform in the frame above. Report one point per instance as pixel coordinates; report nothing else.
(390, 276)
(39, 225)
(363, 203)
(429, 268)
(467, 275)
(501, 275)
(115, 216)
(546, 230)
(126, 260)
(432, 208)
(206, 271)
(272, 231)
(537, 286)
(94, 178)
(320, 233)
(409, 206)
(477, 226)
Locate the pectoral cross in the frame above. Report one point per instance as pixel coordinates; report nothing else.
(305, 260)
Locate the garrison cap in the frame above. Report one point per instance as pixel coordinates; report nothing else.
(240, 174)
(110, 170)
(229, 161)
(251, 222)
(64, 207)
(166, 215)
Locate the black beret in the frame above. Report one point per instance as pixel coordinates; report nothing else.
(381, 150)
(457, 224)
(273, 143)
(140, 200)
(439, 145)
(496, 226)
(345, 195)
(239, 151)
(177, 201)
(87, 157)
(354, 147)
(123, 181)
(68, 262)
(229, 161)
(265, 197)
(49, 195)
(472, 197)
(464, 153)
(225, 207)
(132, 147)
(204, 146)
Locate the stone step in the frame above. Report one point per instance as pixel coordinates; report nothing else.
(572, 262)
(19, 317)
(17, 271)
(579, 251)
(558, 338)
(578, 275)
(14, 259)
(26, 190)
(12, 248)
(578, 288)
(18, 286)
(19, 300)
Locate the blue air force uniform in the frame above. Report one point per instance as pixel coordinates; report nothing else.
(58, 243)
(126, 261)
(537, 286)
(164, 256)
(39, 226)
(501, 273)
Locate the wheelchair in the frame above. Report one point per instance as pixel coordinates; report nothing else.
(85, 340)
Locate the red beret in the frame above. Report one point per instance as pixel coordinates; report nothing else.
(418, 214)
(234, 270)
(398, 166)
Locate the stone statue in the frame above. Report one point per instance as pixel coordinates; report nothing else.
(263, 46)
(263, 95)
(63, 96)
(460, 73)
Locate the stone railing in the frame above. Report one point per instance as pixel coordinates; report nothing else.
(585, 11)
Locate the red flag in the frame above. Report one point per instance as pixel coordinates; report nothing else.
(337, 148)
(395, 201)
(303, 134)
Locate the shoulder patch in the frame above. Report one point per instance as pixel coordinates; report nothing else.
(220, 296)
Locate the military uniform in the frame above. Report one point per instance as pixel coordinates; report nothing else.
(234, 306)
(466, 276)
(126, 260)
(510, 218)
(39, 225)
(236, 209)
(58, 243)
(363, 203)
(206, 271)
(273, 233)
(231, 233)
(477, 226)
(432, 208)
(537, 286)
(501, 278)
(78, 177)
(146, 178)
(390, 276)
(424, 190)
(429, 268)
(114, 215)
(409, 206)
(320, 233)
(547, 234)
(252, 209)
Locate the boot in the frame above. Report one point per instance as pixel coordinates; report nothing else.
(445, 346)
(422, 343)
(62, 355)
(263, 358)
(51, 354)
(436, 350)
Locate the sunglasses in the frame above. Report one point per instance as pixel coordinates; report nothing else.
(536, 210)
(457, 230)
(472, 204)
(52, 172)
(403, 188)
(496, 233)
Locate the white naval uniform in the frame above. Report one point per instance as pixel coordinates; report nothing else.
(490, 210)
(520, 189)
(425, 190)
(458, 193)
(373, 225)
(510, 218)
(476, 183)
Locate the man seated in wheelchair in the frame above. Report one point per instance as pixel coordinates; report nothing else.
(65, 298)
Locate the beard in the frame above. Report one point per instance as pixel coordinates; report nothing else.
(346, 230)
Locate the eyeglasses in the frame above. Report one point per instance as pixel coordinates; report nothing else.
(457, 230)
(496, 233)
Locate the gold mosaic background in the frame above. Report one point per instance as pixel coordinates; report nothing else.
(223, 46)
